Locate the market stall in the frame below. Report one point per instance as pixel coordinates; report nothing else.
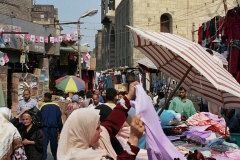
(194, 69)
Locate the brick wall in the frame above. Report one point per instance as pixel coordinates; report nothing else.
(20, 9)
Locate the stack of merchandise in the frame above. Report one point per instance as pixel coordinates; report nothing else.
(3, 79)
(42, 73)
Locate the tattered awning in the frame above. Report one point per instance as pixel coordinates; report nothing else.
(147, 63)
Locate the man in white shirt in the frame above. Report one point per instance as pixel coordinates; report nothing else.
(95, 102)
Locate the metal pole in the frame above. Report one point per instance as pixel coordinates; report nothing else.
(79, 50)
(174, 91)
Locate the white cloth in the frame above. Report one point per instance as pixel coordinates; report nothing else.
(77, 134)
(155, 100)
(219, 62)
(161, 102)
(93, 105)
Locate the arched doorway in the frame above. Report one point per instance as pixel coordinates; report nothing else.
(166, 23)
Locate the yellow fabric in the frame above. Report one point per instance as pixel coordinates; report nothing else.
(76, 136)
(48, 103)
(71, 86)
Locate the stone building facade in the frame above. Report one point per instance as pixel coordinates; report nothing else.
(178, 17)
(98, 50)
(20, 9)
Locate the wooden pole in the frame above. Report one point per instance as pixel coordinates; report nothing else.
(174, 91)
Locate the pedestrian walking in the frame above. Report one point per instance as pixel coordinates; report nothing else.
(52, 124)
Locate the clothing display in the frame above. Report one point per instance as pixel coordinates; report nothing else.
(157, 148)
(205, 118)
(202, 134)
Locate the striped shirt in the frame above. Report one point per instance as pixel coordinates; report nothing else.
(22, 105)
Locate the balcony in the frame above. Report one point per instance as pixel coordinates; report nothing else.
(108, 10)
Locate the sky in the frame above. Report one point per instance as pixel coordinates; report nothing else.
(71, 10)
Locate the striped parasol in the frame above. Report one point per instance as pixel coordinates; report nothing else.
(188, 63)
(70, 84)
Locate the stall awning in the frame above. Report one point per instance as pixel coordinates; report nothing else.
(70, 49)
(147, 63)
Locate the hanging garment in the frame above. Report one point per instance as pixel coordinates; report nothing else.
(158, 148)
(109, 81)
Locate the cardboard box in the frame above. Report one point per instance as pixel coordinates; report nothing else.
(34, 92)
(3, 69)
(93, 62)
(121, 87)
(15, 97)
(43, 63)
(37, 72)
(3, 78)
(40, 85)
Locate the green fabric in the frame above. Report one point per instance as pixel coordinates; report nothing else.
(184, 108)
(2, 100)
(62, 85)
(231, 145)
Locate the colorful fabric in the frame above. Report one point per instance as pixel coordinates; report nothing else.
(71, 107)
(157, 148)
(70, 84)
(235, 154)
(202, 134)
(204, 118)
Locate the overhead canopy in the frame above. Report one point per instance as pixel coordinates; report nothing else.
(147, 62)
(177, 56)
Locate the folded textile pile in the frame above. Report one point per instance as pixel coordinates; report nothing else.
(205, 118)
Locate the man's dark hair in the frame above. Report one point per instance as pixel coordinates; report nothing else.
(123, 93)
(182, 88)
(209, 51)
(27, 90)
(161, 94)
(89, 94)
(48, 95)
(111, 93)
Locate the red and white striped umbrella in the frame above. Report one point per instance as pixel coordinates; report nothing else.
(175, 56)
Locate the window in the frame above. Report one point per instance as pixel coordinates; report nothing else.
(166, 23)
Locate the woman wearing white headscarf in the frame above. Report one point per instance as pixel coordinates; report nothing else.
(83, 137)
(10, 139)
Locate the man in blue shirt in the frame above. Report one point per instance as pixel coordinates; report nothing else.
(99, 96)
(52, 124)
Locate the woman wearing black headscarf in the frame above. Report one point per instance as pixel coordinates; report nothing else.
(31, 134)
(104, 112)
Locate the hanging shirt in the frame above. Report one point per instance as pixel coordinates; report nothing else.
(232, 25)
(159, 147)
(184, 108)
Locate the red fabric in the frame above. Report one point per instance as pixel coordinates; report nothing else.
(220, 23)
(238, 77)
(233, 61)
(211, 41)
(114, 79)
(113, 123)
(207, 30)
(200, 35)
(232, 25)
